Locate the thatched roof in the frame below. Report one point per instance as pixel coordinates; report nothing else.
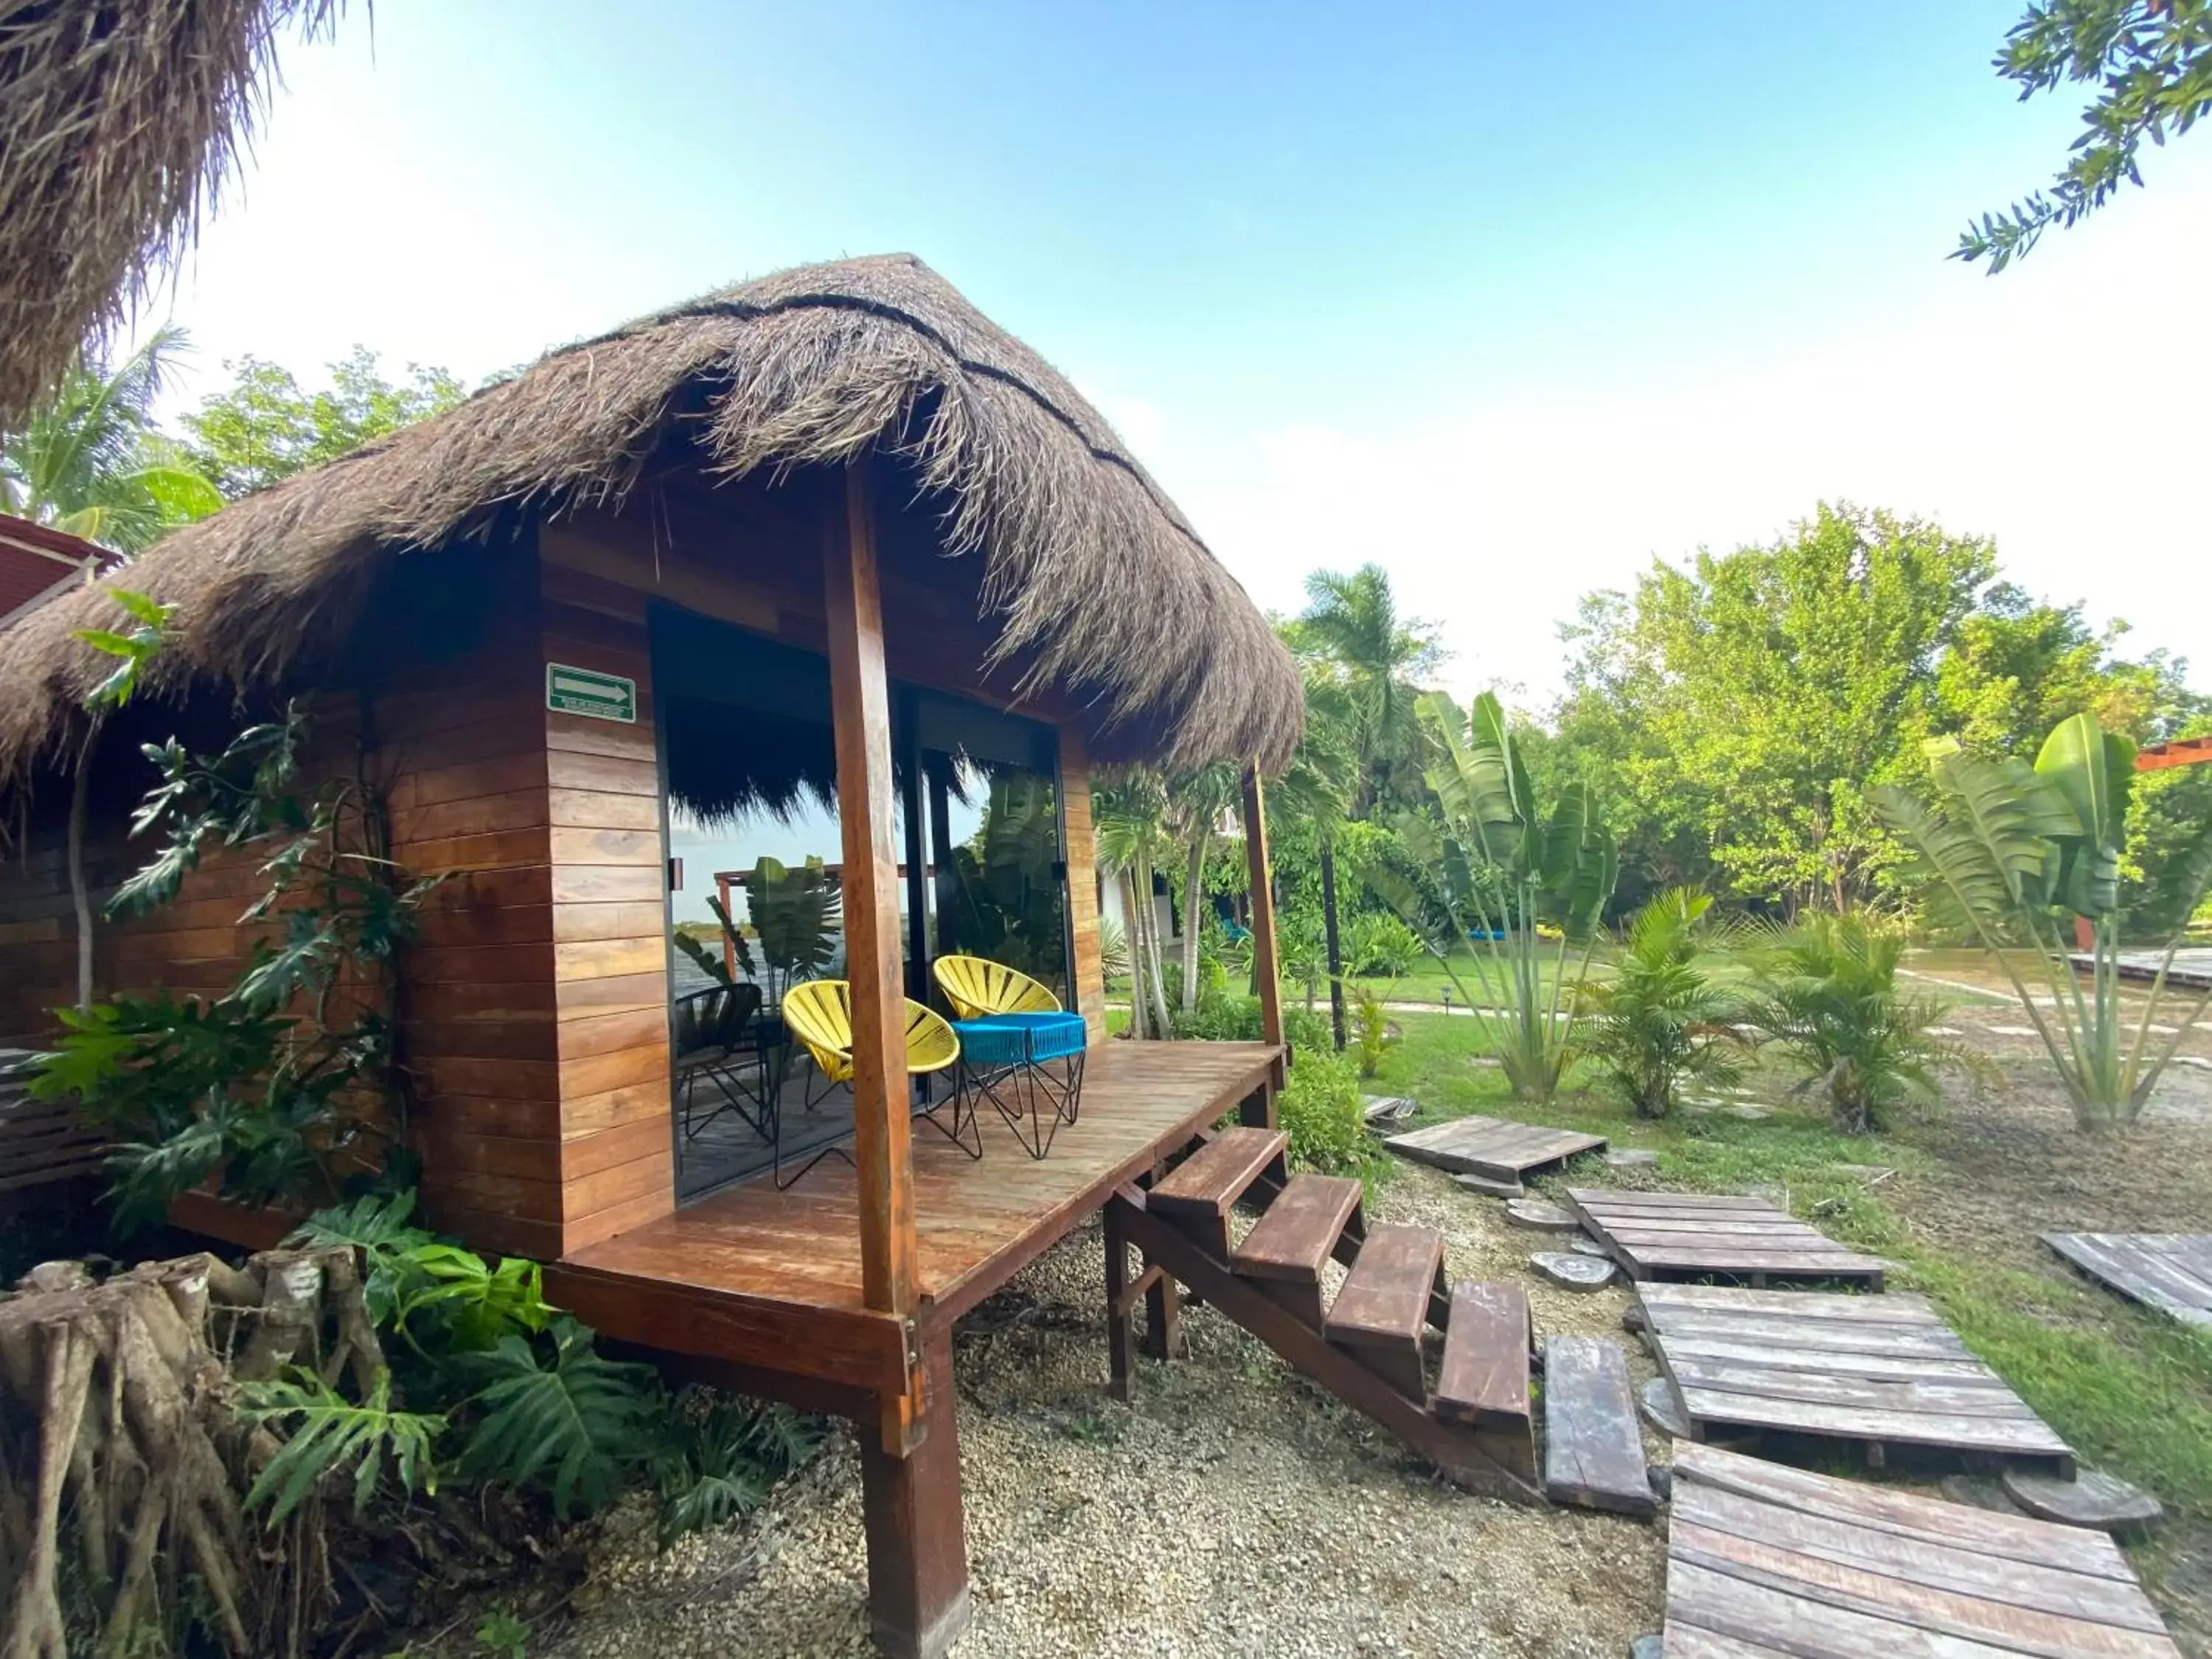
(118, 124)
(1097, 584)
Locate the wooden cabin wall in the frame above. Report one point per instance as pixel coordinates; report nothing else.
(1079, 844)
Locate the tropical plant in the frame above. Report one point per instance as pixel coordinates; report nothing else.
(92, 462)
(2151, 61)
(2018, 852)
(1197, 802)
(1321, 1110)
(1308, 810)
(282, 1088)
(1008, 905)
(1827, 995)
(794, 911)
(720, 1456)
(1351, 624)
(1113, 949)
(1374, 1033)
(1497, 865)
(1660, 1021)
(1380, 942)
(1130, 817)
(570, 1421)
(323, 1433)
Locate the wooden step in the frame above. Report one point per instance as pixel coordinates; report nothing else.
(1593, 1449)
(1289, 1245)
(1383, 1306)
(1199, 1193)
(1484, 1379)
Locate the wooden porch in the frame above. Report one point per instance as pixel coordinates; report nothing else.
(772, 1280)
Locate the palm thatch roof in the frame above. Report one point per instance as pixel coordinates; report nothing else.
(118, 124)
(1096, 584)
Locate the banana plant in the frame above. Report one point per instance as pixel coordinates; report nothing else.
(795, 914)
(2020, 851)
(1499, 867)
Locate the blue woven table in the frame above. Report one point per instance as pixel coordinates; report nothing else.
(1027, 1066)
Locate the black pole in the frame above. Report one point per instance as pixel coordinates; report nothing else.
(1335, 950)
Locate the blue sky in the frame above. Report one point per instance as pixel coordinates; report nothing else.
(1510, 299)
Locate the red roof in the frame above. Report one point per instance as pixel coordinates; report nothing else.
(36, 563)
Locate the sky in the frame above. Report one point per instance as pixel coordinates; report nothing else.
(1509, 298)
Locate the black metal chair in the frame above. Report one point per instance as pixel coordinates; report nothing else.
(716, 1043)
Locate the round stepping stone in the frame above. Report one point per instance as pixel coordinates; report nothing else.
(2092, 1499)
(1633, 1318)
(1489, 1188)
(1647, 1647)
(1589, 1246)
(1535, 1213)
(1661, 1410)
(1576, 1273)
(1661, 1477)
(1632, 1157)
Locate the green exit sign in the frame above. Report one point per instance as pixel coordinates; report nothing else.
(588, 692)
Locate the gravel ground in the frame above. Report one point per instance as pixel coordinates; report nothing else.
(1234, 1508)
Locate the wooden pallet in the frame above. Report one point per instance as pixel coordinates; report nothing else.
(1698, 1235)
(1492, 1146)
(2171, 1271)
(1763, 1559)
(1875, 1371)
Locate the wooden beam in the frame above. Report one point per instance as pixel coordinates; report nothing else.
(918, 1595)
(861, 714)
(1265, 967)
(2183, 752)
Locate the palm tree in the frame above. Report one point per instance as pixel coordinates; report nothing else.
(1315, 797)
(1196, 802)
(92, 462)
(1130, 818)
(1351, 623)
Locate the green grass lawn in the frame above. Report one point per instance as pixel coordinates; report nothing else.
(2131, 1390)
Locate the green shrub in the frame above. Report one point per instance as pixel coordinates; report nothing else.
(1374, 1033)
(1376, 942)
(1659, 1021)
(1321, 1110)
(1828, 996)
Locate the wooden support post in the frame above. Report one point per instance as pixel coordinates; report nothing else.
(860, 716)
(1266, 968)
(917, 1601)
(1118, 1311)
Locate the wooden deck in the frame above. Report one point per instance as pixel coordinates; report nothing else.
(1493, 1147)
(2170, 1272)
(1762, 1559)
(772, 1279)
(1698, 1235)
(1877, 1371)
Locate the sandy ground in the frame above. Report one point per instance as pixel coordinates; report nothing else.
(1234, 1508)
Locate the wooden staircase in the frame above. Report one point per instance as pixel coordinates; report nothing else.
(1371, 1345)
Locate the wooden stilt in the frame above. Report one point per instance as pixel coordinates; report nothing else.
(1118, 1314)
(918, 1600)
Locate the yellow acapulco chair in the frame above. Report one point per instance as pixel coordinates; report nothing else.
(978, 987)
(820, 1013)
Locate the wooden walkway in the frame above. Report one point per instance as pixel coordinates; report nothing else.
(1493, 1146)
(2171, 1271)
(1695, 1235)
(1763, 1560)
(1876, 1371)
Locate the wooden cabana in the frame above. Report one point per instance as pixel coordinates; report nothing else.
(494, 613)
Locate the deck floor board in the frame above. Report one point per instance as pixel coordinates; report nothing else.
(1904, 1379)
(974, 1220)
(2170, 1272)
(1762, 1559)
(1692, 1235)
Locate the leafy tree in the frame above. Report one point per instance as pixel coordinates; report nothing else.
(266, 427)
(2151, 63)
(92, 462)
(1741, 705)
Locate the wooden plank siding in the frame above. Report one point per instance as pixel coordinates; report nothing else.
(1078, 841)
(608, 915)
